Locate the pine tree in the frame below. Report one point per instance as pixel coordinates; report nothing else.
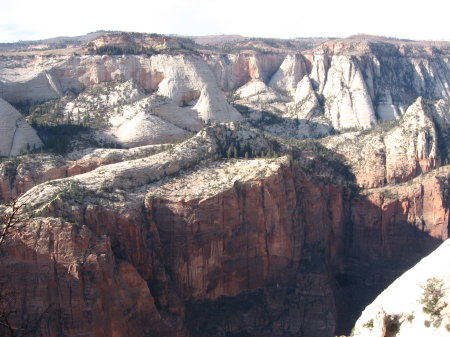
(230, 152)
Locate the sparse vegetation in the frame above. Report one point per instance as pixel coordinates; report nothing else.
(410, 318)
(333, 167)
(58, 139)
(388, 194)
(432, 300)
(233, 96)
(138, 44)
(393, 325)
(368, 324)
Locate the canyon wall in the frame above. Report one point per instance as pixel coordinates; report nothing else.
(16, 136)
(251, 247)
(180, 261)
(200, 237)
(400, 150)
(353, 84)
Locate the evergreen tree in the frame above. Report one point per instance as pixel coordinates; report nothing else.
(230, 151)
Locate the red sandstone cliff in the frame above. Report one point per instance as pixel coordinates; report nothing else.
(187, 260)
(185, 266)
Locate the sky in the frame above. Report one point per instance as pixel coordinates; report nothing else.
(39, 19)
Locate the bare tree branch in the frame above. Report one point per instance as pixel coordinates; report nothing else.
(13, 217)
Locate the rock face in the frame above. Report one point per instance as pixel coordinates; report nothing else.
(389, 230)
(416, 304)
(82, 266)
(189, 262)
(348, 101)
(244, 255)
(349, 83)
(22, 173)
(233, 71)
(401, 213)
(183, 79)
(231, 232)
(191, 243)
(256, 91)
(16, 136)
(414, 145)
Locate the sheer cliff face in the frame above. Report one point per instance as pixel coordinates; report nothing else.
(389, 230)
(178, 248)
(184, 257)
(96, 294)
(16, 136)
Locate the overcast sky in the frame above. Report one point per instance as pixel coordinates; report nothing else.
(38, 19)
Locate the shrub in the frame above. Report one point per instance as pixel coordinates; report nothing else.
(432, 300)
(410, 318)
(394, 327)
(368, 324)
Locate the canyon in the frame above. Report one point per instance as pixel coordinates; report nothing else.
(274, 190)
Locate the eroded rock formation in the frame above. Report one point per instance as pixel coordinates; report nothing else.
(220, 241)
(415, 144)
(231, 232)
(16, 136)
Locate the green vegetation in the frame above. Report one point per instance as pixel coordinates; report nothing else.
(75, 191)
(116, 50)
(51, 113)
(387, 193)
(327, 165)
(380, 128)
(137, 45)
(57, 138)
(368, 324)
(432, 301)
(267, 117)
(393, 325)
(236, 150)
(262, 45)
(410, 318)
(233, 96)
(352, 333)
